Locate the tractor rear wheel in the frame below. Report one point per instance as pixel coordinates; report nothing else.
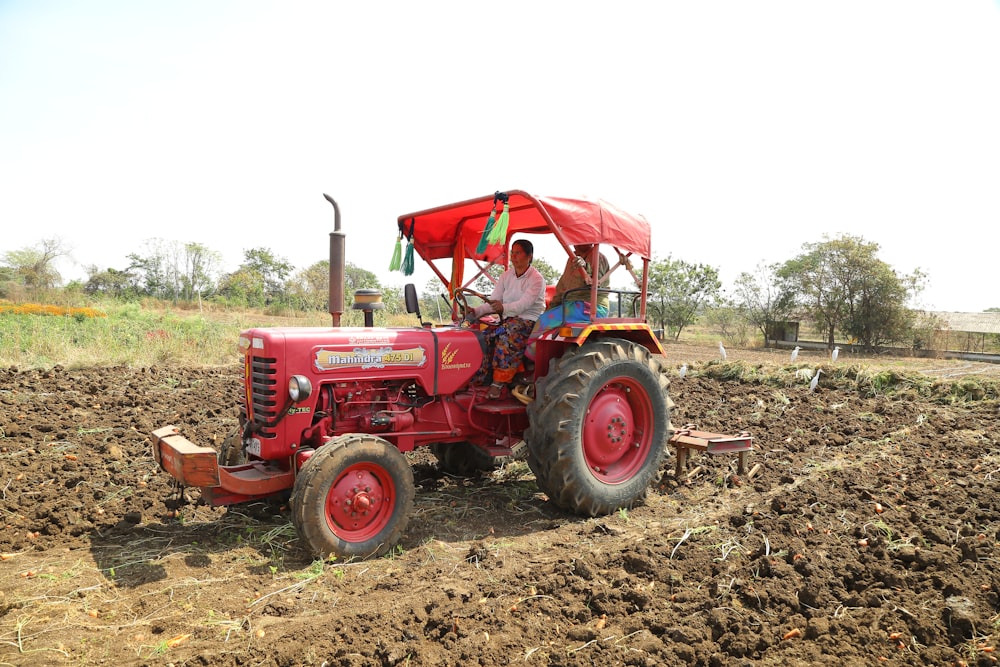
(353, 497)
(462, 459)
(599, 427)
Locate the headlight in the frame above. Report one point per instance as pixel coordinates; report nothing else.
(299, 388)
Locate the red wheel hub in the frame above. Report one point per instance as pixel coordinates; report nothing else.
(617, 431)
(359, 503)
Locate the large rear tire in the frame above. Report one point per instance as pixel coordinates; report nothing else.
(353, 497)
(599, 427)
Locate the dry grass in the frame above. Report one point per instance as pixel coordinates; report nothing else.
(763, 361)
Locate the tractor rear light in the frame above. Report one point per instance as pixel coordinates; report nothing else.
(299, 388)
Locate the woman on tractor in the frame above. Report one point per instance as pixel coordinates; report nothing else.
(577, 307)
(518, 300)
(574, 306)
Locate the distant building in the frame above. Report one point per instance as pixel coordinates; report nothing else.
(963, 332)
(783, 331)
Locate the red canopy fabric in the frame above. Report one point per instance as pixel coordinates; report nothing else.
(435, 232)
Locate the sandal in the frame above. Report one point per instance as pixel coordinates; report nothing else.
(495, 390)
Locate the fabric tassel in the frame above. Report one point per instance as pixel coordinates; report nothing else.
(484, 239)
(408, 258)
(499, 232)
(397, 254)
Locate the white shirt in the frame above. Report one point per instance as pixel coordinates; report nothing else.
(522, 296)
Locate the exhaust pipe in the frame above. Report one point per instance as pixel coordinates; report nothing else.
(338, 254)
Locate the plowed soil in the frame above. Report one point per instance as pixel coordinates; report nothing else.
(867, 534)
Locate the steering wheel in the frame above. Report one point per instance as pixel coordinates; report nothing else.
(462, 298)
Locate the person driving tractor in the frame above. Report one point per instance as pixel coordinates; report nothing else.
(518, 300)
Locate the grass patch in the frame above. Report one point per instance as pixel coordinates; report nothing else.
(128, 334)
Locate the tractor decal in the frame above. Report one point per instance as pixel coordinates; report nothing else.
(362, 357)
(448, 359)
(370, 339)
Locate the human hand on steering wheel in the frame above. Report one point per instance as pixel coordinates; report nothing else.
(465, 310)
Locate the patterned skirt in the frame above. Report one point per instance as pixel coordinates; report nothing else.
(504, 350)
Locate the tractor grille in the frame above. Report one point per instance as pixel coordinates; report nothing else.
(264, 394)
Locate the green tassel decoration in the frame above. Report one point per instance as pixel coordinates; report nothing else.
(397, 255)
(408, 256)
(499, 231)
(408, 259)
(484, 239)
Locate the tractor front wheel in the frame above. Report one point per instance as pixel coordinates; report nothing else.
(353, 497)
(599, 427)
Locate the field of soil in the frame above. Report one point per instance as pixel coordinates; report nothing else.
(868, 535)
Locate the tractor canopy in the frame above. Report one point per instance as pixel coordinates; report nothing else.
(439, 232)
(458, 232)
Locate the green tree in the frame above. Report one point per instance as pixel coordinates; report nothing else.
(678, 291)
(269, 270)
(763, 298)
(309, 288)
(200, 268)
(393, 300)
(730, 321)
(155, 269)
(34, 267)
(356, 278)
(432, 303)
(111, 282)
(877, 312)
(242, 288)
(844, 287)
(485, 283)
(549, 272)
(8, 281)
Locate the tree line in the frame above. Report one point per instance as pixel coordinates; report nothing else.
(839, 285)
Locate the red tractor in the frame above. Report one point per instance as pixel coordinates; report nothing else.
(328, 412)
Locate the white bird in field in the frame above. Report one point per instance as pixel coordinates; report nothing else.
(835, 353)
(722, 351)
(795, 352)
(683, 371)
(815, 380)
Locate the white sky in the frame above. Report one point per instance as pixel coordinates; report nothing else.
(741, 130)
